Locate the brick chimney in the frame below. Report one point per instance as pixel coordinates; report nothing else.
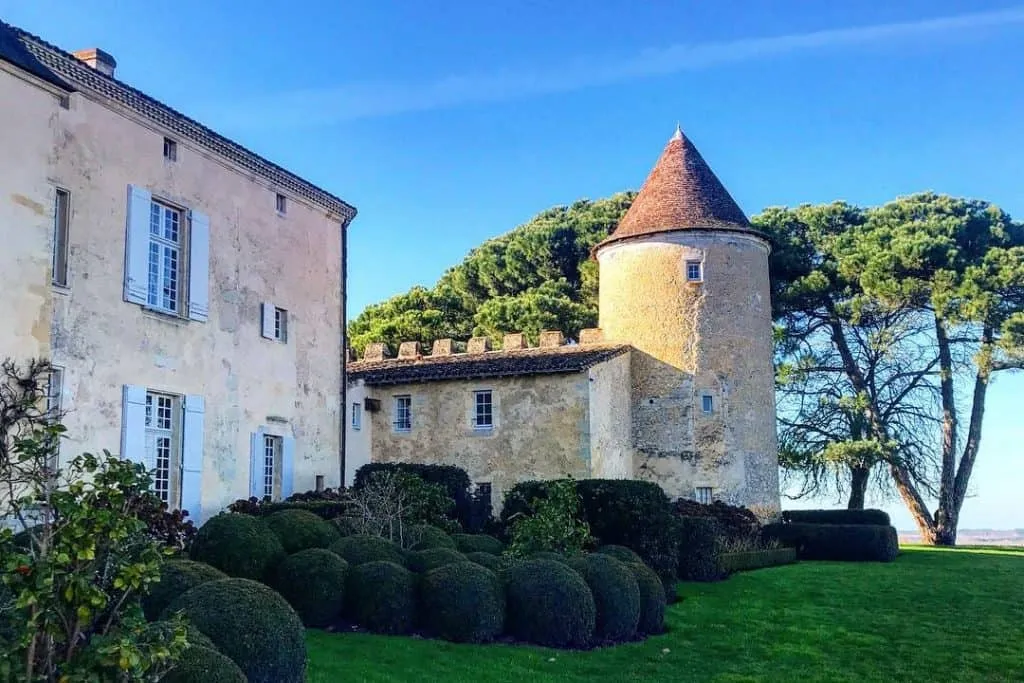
(103, 62)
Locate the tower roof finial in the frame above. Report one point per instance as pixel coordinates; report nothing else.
(678, 135)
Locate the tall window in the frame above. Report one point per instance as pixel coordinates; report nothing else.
(280, 324)
(170, 149)
(281, 202)
(403, 413)
(704, 495)
(162, 445)
(61, 220)
(54, 391)
(272, 447)
(165, 264)
(694, 271)
(483, 416)
(357, 416)
(707, 403)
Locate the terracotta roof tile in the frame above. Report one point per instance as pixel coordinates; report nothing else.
(681, 192)
(533, 361)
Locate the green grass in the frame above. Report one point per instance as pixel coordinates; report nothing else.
(933, 615)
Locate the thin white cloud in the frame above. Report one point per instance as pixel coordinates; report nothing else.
(359, 100)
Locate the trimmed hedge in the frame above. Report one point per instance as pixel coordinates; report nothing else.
(427, 536)
(547, 603)
(699, 549)
(313, 583)
(734, 521)
(300, 529)
(495, 563)
(635, 514)
(453, 479)
(478, 543)
(203, 665)
(252, 625)
(652, 600)
(843, 542)
(620, 553)
(362, 548)
(381, 597)
(616, 596)
(421, 561)
(757, 559)
(549, 555)
(176, 577)
(870, 517)
(239, 545)
(463, 603)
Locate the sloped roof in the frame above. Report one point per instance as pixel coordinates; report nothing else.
(681, 192)
(61, 68)
(533, 361)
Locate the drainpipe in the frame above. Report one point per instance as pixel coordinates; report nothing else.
(344, 344)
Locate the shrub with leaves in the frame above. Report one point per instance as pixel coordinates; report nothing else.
(362, 549)
(238, 545)
(426, 536)
(482, 543)
(616, 596)
(552, 523)
(652, 599)
(204, 665)
(700, 549)
(549, 604)
(176, 577)
(454, 483)
(495, 563)
(422, 561)
(620, 553)
(300, 529)
(391, 503)
(313, 583)
(381, 597)
(462, 602)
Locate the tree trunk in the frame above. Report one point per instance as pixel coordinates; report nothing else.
(858, 486)
(947, 476)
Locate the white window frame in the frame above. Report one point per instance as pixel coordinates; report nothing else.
(281, 324)
(165, 263)
(164, 444)
(698, 266)
(707, 404)
(487, 411)
(273, 454)
(61, 233)
(357, 416)
(403, 413)
(705, 495)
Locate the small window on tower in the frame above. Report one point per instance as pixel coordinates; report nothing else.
(707, 403)
(704, 495)
(694, 271)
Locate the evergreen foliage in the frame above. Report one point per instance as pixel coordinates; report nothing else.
(381, 597)
(462, 602)
(548, 604)
(300, 529)
(313, 583)
(176, 577)
(238, 545)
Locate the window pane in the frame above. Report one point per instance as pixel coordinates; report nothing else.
(154, 219)
(60, 237)
(154, 273)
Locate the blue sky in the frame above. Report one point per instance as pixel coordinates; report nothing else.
(449, 122)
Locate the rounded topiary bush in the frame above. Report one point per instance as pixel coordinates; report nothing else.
(426, 536)
(176, 577)
(549, 555)
(239, 545)
(347, 526)
(462, 602)
(652, 600)
(421, 561)
(252, 625)
(547, 603)
(301, 529)
(478, 543)
(203, 665)
(621, 553)
(361, 549)
(616, 596)
(313, 583)
(495, 563)
(381, 597)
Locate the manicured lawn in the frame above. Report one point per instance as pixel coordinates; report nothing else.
(933, 615)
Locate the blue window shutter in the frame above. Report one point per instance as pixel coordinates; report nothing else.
(256, 464)
(192, 458)
(267, 319)
(199, 267)
(287, 466)
(136, 253)
(133, 423)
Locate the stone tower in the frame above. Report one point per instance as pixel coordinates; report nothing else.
(684, 280)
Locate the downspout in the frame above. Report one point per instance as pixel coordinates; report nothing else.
(344, 345)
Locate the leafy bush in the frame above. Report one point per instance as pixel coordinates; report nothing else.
(426, 536)
(250, 624)
(348, 525)
(203, 665)
(549, 555)
(462, 602)
(478, 543)
(870, 517)
(756, 559)
(495, 563)
(552, 522)
(169, 528)
(176, 577)
(844, 542)
(421, 561)
(313, 583)
(620, 553)
(300, 529)
(390, 504)
(381, 597)
(239, 545)
(326, 504)
(616, 596)
(453, 480)
(635, 514)
(699, 550)
(734, 521)
(361, 549)
(547, 603)
(652, 600)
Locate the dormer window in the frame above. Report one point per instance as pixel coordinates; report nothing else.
(694, 271)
